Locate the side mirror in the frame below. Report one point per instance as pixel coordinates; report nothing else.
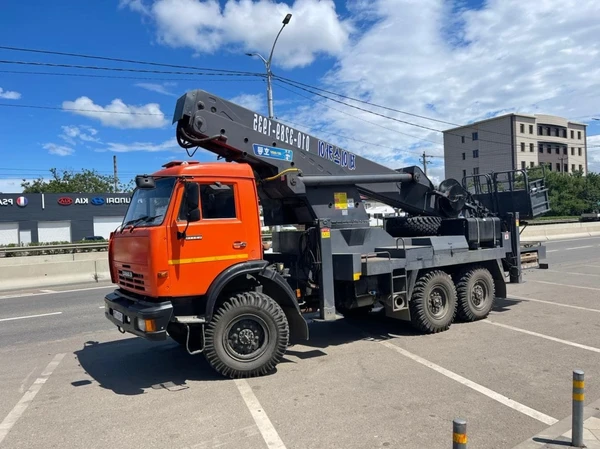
(192, 200)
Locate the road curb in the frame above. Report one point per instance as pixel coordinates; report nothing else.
(555, 432)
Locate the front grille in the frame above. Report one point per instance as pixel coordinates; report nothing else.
(130, 279)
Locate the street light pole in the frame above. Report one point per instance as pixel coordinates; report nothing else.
(267, 63)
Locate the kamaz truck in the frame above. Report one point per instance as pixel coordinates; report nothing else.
(189, 261)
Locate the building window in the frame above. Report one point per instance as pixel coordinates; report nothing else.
(564, 133)
(572, 134)
(578, 135)
(530, 129)
(531, 148)
(462, 139)
(541, 147)
(475, 153)
(579, 151)
(557, 166)
(464, 173)
(476, 171)
(475, 136)
(548, 149)
(547, 130)
(572, 167)
(555, 132)
(564, 150)
(522, 164)
(540, 131)
(572, 151)
(464, 155)
(522, 127)
(581, 168)
(566, 168)
(557, 149)
(531, 164)
(550, 167)
(522, 146)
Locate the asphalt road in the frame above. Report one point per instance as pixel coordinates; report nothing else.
(69, 379)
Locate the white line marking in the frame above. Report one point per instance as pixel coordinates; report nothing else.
(49, 292)
(14, 415)
(547, 337)
(22, 387)
(571, 249)
(30, 316)
(101, 307)
(573, 273)
(549, 420)
(572, 240)
(261, 419)
(566, 285)
(555, 303)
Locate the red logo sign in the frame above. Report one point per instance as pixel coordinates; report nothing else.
(65, 201)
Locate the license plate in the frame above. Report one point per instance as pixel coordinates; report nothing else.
(118, 315)
(127, 274)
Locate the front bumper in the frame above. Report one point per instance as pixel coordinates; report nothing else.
(132, 309)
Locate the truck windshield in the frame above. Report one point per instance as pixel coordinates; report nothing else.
(149, 206)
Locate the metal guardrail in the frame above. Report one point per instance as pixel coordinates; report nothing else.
(67, 247)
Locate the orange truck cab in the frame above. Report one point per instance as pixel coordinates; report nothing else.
(189, 246)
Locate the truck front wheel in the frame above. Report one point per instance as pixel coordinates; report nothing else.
(433, 302)
(247, 336)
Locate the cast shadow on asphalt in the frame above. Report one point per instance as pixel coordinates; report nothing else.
(131, 366)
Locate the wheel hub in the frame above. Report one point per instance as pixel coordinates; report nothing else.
(245, 338)
(436, 302)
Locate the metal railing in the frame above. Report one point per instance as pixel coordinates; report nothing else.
(66, 248)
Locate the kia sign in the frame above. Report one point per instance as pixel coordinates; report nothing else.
(65, 201)
(22, 201)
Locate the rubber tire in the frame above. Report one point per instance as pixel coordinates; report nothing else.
(414, 226)
(420, 316)
(177, 332)
(277, 337)
(466, 281)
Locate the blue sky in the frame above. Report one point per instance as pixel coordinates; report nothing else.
(418, 58)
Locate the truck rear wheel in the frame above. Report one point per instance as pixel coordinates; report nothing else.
(475, 289)
(433, 302)
(247, 336)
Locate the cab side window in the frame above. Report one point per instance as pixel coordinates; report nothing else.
(217, 201)
(182, 216)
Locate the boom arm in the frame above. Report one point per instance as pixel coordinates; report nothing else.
(303, 178)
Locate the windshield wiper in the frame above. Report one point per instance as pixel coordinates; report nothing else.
(133, 223)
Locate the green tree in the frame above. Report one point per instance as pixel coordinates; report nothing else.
(68, 181)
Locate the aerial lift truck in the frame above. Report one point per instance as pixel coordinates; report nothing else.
(189, 261)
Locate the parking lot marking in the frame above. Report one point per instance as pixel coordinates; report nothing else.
(261, 419)
(14, 415)
(549, 420)
(565, 285)
(573, 273)
(555, 303)
(547, 337)
(29, 316)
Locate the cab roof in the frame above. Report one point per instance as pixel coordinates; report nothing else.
(208, 169)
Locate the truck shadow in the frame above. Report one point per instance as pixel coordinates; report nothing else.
(132, 366)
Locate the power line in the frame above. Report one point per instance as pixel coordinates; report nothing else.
(137, 78)
(121, 69)
(106, 58)
(360, 118)
(10, 105)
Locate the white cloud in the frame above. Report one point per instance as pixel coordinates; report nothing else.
(159, 88)
(9, 94)
(11, 185)
(205, 26)
(58, 150)
(84, 133)
(117, 114)
(254, 102)
(169, 145)
(502, 57)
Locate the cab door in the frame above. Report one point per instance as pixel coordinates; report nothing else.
(212, 244)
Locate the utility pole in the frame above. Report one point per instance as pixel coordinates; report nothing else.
(115, 173)
(267, 63)
(562, 165)
(424, 161)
